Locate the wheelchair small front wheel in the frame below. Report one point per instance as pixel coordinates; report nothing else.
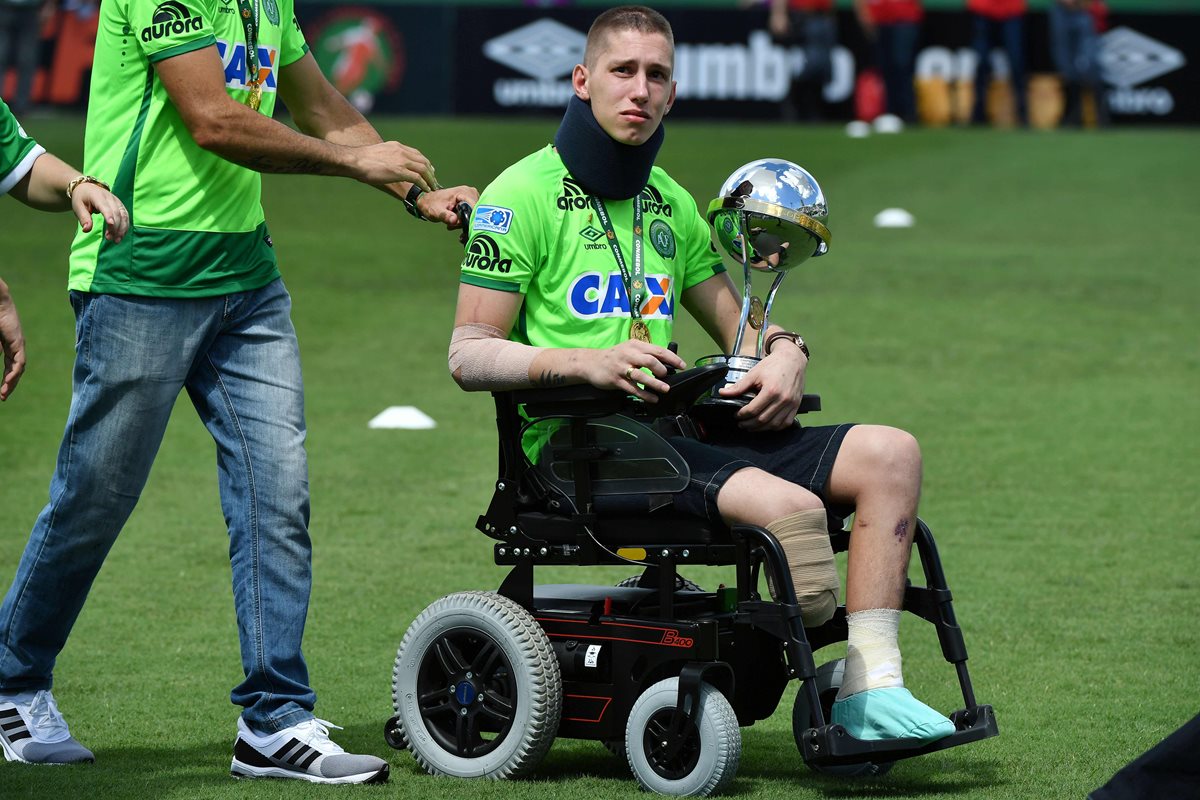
(707, 758)
(393, 734)
(829, 681)
(477, 688)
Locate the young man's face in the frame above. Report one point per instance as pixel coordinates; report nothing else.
(629, 84)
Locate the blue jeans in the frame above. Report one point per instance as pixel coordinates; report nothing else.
(238, 358)
(896, 52)
(1011, 33)
(1075, 45)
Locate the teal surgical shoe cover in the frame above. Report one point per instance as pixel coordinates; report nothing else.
(891, 713)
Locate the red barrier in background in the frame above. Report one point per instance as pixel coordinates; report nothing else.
(70, 39)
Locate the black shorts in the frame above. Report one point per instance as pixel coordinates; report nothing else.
(801, 455)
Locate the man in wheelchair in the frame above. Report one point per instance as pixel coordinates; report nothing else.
(558, 287)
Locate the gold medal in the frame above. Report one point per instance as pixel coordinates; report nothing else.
(255, 98)
(639, 331)
(756, 313)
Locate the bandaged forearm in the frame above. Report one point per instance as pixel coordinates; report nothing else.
(482, 359)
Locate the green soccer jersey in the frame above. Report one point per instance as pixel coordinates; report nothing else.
(534, 231)
(197, 221)
(17, 150)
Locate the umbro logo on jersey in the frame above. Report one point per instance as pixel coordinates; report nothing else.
(484, 254)
(171, 19)
(593, 295)
(573, 196)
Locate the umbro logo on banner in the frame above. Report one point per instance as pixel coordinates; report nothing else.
(545, 49)
(1129, 58)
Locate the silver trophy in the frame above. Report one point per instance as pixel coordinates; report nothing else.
(770, 217)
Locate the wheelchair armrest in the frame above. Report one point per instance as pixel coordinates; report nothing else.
(584, 400)
(580, 400)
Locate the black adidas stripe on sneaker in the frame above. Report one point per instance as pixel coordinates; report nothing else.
(12, 727)
(296, 754)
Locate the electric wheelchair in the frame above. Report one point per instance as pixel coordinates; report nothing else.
(658, 669)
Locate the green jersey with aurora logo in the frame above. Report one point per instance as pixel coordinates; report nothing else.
(535, 232)
(197, 221)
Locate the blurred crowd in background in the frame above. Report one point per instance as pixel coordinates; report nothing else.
(1003, 91)
(894, 29)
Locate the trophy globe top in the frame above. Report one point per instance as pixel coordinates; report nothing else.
(782, 209)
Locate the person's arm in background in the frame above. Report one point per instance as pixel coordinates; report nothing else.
(777, 380)
(321, 111)
(45, 186)
(778, 21)
(482, 357)
(864, 18)
(12, 341)
(195, 82)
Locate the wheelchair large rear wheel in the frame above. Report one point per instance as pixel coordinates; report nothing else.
(477, 688)
(829, 681)
(711, 749)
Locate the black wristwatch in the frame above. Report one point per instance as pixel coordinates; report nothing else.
(410, 201)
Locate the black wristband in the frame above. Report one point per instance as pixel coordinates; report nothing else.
(410, 201)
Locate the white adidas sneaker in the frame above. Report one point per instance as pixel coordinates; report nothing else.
(304, 752)
(33, 731)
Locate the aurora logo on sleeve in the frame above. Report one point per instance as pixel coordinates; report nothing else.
(484, 254)
(593, 295)
(171, 19)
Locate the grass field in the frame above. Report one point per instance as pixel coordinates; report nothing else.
(1036, 330)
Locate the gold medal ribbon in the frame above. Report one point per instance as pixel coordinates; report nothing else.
(635, 284)
(249, 16)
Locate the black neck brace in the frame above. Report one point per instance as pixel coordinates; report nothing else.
(603, 166)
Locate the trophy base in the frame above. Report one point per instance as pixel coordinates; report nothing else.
(738, 367)
(714, 409)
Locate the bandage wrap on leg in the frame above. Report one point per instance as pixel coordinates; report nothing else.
(804, 537)
(872, 651)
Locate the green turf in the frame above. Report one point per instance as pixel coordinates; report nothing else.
(1036, 330)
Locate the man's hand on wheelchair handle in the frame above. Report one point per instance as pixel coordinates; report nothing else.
(778, 384)
(620, 367)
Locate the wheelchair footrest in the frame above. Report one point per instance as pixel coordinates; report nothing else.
(831, 745)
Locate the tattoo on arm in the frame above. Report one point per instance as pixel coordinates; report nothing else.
(299, 166)
(901, 529)
(550, 378)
